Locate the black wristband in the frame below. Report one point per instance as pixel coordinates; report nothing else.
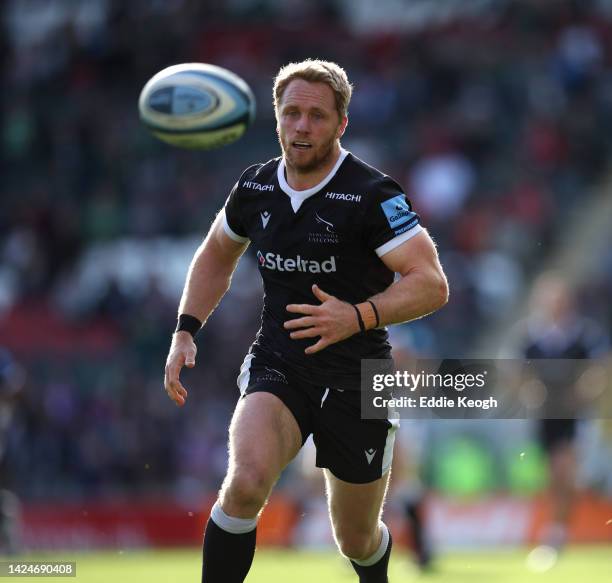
(188, 323)
(375, 313)
(359, 318)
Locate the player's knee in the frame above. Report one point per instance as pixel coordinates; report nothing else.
(246, 489)
(355, 544)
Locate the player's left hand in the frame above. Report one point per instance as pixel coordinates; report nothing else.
(333, 320)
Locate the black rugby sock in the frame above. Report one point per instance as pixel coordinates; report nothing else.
(376, 573)
(227, 557)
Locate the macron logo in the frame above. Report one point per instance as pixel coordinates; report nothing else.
(275, 262)
(265, 217)
(343, 196)
(257, 186)
(370, 453)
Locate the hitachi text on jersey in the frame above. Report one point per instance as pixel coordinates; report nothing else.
(343, 196)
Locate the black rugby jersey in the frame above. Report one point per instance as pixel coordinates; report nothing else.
(333, 235)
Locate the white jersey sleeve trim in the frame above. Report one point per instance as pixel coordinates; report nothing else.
(397, 241)
(228, 231)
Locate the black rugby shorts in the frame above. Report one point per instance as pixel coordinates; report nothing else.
(554, 433)
(354, 450)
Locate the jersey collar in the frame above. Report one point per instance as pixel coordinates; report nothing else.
(299, 196)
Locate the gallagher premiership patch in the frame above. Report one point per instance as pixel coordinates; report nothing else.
(398, 213)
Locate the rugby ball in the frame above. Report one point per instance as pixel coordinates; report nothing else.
(196, 105)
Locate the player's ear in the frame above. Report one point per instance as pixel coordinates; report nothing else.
(342, 127)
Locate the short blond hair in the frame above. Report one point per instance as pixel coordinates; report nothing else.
(315, 71)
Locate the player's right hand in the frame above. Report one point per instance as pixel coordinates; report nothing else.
(182, 353)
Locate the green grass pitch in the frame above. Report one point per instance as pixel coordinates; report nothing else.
(576, 565)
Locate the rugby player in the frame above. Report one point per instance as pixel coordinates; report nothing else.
(12, 380)
(329, 232)
(557, 330)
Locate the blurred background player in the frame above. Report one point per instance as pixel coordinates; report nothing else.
(408, 491)
(11, 383)
(407, 488)
(556, 329)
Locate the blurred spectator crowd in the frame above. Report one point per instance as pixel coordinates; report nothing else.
(497, 121)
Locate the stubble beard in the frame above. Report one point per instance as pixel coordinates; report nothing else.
(317, 161)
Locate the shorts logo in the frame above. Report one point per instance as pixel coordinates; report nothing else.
(398, 213)
(272, 376)
(370, 453)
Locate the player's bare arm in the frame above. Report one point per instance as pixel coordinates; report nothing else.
(422, 287)
(421, 290)
(208, 279)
